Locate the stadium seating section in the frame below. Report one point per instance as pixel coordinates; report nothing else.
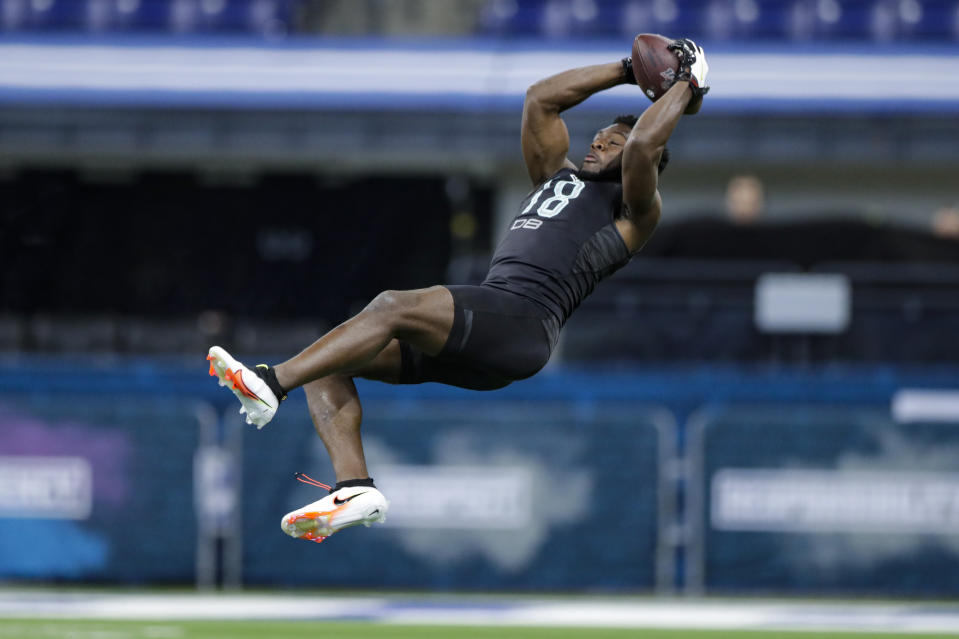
(713, 20)
(795, 20)
(693, 298)
(260, 17)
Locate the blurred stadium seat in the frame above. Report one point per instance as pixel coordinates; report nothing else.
(881, 21)
(253, 17)
(715, 20)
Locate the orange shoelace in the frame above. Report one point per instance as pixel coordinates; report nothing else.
(306, 479)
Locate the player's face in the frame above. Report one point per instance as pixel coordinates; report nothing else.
(606, 150)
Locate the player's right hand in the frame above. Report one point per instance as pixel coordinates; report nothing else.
(692, 65)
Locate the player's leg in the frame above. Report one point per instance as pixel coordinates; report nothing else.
(493, 340)
(336, 413)
(422, 318)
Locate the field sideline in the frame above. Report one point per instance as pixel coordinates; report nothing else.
(98, 614)
(88, 629)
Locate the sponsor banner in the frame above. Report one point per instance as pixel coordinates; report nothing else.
(457, 497)
(925, 405)
(835, 501)
(484, 494)
(111, 473)
(45, 487)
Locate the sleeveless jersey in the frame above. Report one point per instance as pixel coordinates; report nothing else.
(561, 244)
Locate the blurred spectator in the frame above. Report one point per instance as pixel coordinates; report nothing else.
(745, 199)
(945, 222)
(821, 236)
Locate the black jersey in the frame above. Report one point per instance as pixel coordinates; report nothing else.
(562, 243)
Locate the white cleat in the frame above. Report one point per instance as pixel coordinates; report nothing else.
(344, 508)
(259, 404)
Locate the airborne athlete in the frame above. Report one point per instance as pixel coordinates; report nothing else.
(577, 227)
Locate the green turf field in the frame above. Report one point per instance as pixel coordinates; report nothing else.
(84, 629)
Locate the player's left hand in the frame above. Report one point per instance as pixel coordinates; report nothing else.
(692, 65)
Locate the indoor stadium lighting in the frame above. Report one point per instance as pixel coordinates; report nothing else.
(829, 11)
(746, 10)
(128, 6)
(910, 11)
(504, 9)
(212, 7)
(584, 10)
(665, 10)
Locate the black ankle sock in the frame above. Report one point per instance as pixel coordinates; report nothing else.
(268, 375)
(349, 483)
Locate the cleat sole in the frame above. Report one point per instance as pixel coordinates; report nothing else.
(317, 521)
(305, 525)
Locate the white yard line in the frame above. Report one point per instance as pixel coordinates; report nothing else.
(522, 611)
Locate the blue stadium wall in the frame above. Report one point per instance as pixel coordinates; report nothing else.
(573, 479)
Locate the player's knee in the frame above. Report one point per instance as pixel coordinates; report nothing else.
(394, 305)
(385, 302)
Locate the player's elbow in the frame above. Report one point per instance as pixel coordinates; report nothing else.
(643, 147)
(538, 98)
(641, 154)
(535, 91)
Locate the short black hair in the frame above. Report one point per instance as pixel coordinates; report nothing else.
(630, 121)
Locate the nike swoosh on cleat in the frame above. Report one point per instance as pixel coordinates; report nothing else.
(237, 378)
(339, 502)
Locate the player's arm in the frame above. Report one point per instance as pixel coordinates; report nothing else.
(544, 136)
(641, 156)
(646, 143)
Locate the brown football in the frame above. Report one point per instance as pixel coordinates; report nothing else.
(654, 65)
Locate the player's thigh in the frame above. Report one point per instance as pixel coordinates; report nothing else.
(498, 332)
(387, 366)
(402, 363)
(418, 367)
(421, 317)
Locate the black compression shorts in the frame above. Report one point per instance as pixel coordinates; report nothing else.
(497, 337)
